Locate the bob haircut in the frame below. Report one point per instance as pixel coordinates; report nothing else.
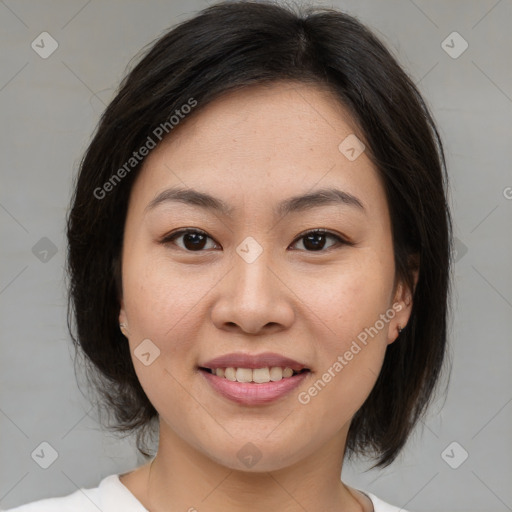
(226, 47)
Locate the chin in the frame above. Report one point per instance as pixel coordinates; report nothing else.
(255, 456)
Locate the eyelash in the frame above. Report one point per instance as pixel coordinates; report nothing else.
(341, 241)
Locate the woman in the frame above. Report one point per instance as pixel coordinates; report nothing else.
(259, 253)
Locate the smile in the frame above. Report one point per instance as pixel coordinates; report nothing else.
(254, 375)
(251, 393)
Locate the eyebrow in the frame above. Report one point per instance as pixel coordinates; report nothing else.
(295, 204)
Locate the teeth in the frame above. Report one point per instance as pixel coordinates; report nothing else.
(261, 375)
(287, 372)
(230, 374)
(276, 373)
(244, 375)
(257, 375)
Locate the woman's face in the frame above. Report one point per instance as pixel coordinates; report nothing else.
(256, 282)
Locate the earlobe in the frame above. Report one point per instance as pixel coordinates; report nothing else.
(124, 328)
(402, 304)
(123, 323)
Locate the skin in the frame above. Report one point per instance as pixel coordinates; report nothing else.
(253, 148)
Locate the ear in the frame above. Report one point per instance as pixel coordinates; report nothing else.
(122, 318)
(123, 321)
(402, 305)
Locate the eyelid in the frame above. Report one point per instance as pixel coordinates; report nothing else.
(168, 238)
(342, 240)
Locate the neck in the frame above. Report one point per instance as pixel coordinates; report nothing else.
(183, 478)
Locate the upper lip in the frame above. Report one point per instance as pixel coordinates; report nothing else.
(264, 360)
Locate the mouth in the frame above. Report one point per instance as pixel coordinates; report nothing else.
(253, 379)
(252, 387)
(254, 375)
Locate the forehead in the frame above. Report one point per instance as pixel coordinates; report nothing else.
(261, 141)
(275, 117)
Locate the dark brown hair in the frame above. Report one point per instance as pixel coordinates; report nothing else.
(229, 46)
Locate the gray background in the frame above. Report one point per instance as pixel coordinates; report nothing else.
(49, 110)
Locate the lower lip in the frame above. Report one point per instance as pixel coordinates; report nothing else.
(247, 393)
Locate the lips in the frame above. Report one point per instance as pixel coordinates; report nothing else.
(264, 360)
(253, 380)
(250, 393)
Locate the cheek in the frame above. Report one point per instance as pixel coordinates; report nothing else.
(164, 302)
(162, 305)
(349, 357)
(154, 293)
(352, 335)
(350, 296)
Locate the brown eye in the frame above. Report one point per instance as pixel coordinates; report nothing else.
(193, 240)
(314, 241)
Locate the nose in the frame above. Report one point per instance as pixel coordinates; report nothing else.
(254, 298)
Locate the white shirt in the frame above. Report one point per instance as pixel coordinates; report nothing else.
(112, 496)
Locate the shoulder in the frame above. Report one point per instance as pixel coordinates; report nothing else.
(76, 501)
(382, 506)
(82, 500)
